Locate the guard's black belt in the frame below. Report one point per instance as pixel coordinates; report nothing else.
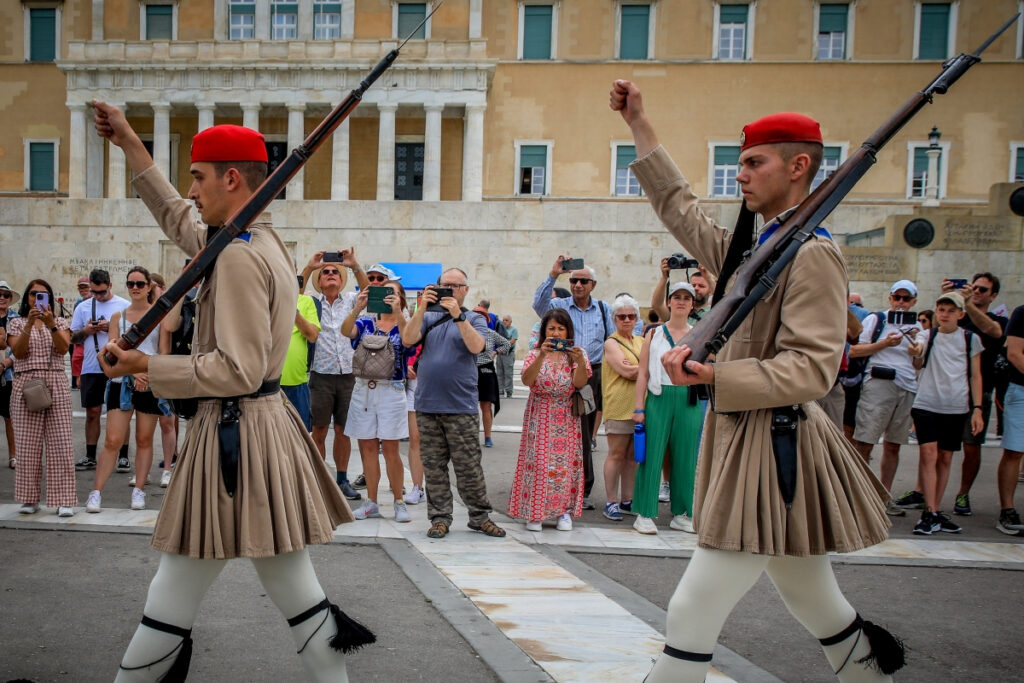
(229, 433)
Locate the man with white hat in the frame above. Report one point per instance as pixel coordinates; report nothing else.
(890, 383)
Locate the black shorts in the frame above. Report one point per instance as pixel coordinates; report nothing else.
(487, 383)
(5, 400)
(329, 396)
(942, 428)
(146, 402)
(850, 407)
(114, 396)
(91, 386)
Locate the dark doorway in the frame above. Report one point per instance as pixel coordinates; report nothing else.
(409, 170)
(276, 153)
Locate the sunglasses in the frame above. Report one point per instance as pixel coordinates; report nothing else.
(34, 292)
(903, 297)
(330, 271)
(625, 316)
(579, 280)
(376, 277)
(100, 292)
(6, 295)
(132, 284)
(983, 290)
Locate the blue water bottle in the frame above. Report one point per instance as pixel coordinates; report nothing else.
(639, 442)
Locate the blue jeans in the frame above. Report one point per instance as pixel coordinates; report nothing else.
(299, 396)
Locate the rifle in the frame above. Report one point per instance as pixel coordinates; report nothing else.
(257, 204)
(761, 268)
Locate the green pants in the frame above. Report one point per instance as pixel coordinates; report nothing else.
(673, 426)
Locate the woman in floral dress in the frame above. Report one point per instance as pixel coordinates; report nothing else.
(548, 481)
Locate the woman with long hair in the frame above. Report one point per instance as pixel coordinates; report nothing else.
(127, 394)
(548, 482)
(39, 342)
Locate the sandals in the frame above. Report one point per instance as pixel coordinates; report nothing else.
(489, 528)
(438, 530)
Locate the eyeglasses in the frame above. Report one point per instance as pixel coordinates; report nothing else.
(903, 297)
(100, 292)
(625, 316)
(6, 295)
(453, 285)
(133, 284)
(983, 290)
(579, 280)
(376, 277)
(330, 271)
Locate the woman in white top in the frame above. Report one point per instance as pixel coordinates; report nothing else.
(128, 394)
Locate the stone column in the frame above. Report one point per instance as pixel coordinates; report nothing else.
(386, 152)
(296, 134)
(162, 137)
(116, 169)
(931, 185)
(432, 154)
(473, 154)
(77, 164)
(251, 115)
(339, 162)
(94, 145)
(206, 114)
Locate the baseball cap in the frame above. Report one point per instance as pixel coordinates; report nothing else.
(675, 287)
(904, 284)
(385, 271)
(954, 298)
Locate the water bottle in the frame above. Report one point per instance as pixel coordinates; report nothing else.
(639, 442)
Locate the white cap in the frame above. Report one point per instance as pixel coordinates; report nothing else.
(676, 286)
(385, 271)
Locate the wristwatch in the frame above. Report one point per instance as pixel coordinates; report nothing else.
(53, 329)
(461, 318)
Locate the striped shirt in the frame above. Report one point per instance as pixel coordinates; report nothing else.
(333, 349)
(591, 325)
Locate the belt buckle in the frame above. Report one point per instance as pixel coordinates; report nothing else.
(371, 384)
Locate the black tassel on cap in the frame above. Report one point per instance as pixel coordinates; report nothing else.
(888, 653)
(351, 634)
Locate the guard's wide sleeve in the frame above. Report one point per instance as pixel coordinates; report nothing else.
(172, 213)
(809, 341)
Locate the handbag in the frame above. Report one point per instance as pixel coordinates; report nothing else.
(374, 358)
(36, 394)
(583, 402)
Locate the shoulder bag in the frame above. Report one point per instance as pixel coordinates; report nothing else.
(374, 358)
(35, 391)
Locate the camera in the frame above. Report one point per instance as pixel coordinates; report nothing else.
(333, 256)
(958, 282)
(561, 344)
(681, 262)
(902, 318)
(569, 264)
(442, 292)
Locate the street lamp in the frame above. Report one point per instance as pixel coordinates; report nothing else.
(931, 188)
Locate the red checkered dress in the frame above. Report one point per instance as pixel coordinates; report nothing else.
(52, 425)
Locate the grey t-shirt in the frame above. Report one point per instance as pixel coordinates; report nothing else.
(447, 378)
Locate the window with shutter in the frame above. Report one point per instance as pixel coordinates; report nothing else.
(410, 14)
(635, 30)
(933, 42)
(537, 31)
(42, 34)
(725, 168)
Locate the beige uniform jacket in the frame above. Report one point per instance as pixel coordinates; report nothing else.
(787, 352)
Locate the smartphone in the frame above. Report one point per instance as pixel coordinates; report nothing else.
(332, 256)
(42, 300)
(442, 292)
(569, 264)
(902, 318)
(375, 299)
(958, 282)
(561, 344)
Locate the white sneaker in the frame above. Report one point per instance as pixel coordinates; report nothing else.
(401, 512)
(682, 523)
(28, 509)
(94, 502)
(165, 479)
(533, 526)
(367, 509)
(564, 522)
(132, 481)
(416, 496)
(138, 499)
(645, 525)
(65, 511)
(664, 493)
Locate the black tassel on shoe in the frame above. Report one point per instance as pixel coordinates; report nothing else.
(351, 634)
(888, 654)
(178, 672)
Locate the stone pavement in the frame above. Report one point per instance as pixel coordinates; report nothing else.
(585, 605)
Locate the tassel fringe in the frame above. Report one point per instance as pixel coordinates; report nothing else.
(179, 670)
(351, 634)
(888, 653)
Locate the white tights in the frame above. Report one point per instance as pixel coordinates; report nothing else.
(179, 586)
(715, 580)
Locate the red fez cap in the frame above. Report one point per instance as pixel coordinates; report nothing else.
(229, 143)
(784, 127)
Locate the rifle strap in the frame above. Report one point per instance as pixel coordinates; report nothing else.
(741, 242)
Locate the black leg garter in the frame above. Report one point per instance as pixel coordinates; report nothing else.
(351, 634)
(888, 654)
(688, 656)
(179, 669)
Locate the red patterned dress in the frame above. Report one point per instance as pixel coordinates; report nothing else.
(549, 472)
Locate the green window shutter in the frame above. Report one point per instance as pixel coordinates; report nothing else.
(920, 160)
(243, 8)
(832, 18)
(533, 155)
(40, 157)
(624, 155)
(732, 14)
(43, 35)
(329, 8)
(410, 14)
(832, 154)
(727, 154)
(636, 21)
(286, 8)
(934, 39)
(537, 32)
(159, 22)
(1018, 172)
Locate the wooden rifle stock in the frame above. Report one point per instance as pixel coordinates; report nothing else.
(257, 204)
(761, 268)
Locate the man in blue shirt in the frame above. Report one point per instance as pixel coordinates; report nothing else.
(592, 322)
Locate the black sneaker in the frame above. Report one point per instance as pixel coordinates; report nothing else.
(962, 505)
(947, 525)
(911, 500)
(123, 465)
(86, 463)
(1009, 523)
(926, 525)
(360, 482)
(348, 491)
(626, 507)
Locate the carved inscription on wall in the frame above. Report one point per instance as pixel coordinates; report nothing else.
(880, 264)
(978, 233)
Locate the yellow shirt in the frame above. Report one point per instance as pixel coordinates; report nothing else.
(618, 393)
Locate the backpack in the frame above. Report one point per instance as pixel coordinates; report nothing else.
(856, 367)
(374, 357)
(311, 346)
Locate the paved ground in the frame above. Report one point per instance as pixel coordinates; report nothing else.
(71, 599)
